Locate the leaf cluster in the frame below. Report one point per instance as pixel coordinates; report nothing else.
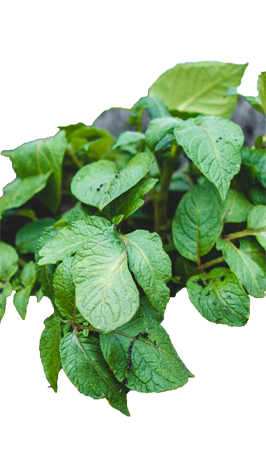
(109, 228)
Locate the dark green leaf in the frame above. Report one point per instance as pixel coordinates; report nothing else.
(45, 273)
(49, 349)
(219, 297)
(22, 295)
(257, 222)
(184, 267)
(89, 141)
(84, 364)
(197, 222)
(99, 183)
(257, 158)
(64, 290)
(236, 207)
(154, 106)
(27, 237)
(128, 137)
(158, 129)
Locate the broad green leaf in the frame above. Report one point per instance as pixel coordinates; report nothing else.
(199, 87)
(106, 294)
(8, 262)
(236, 207)
(247, 176)
(49, 349)
(214, 145)
(250, 96)
(5, 291)
(262, 89)
(64, 290)
(142, 356)
(45, 273)
(151, 266)
(22, 295)
(84, 364)
(197, 222)
(72, 238)
(20, 191)
(71, 128)
(257, 158)
(28, 275)
(27, 237)
(257, 222)
(158, 129)
(21, 300)
(258, 195)
(123, 206)
(76, 213)
(40, 157)
(90, 141)
(128, 137)
(219, 297)
(99, 183)
(248, 263)
(184, 267)
(154, 106)
(38, 302)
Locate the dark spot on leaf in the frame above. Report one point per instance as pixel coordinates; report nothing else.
(218, 319)
(228, 296)
(207, 281)
(222, 278)
(217, 140)
(1, 290)
(214, 303)
(220, 138)
(98, 189)
(101, 185)
(200, 282)
(207, 294)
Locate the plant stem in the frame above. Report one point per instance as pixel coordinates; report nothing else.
(242, 234)
(21, 263)
(74, 157)
(211, 263)
(160, 201)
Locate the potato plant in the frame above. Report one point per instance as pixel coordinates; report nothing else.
(109, 228)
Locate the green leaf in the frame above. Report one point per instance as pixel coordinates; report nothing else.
(247, 176)
(22, 295)
(28, 275)
(258, 195)
(38, 302)
(99, 183)
(106, 294)
(64, 290)
(45, 273)
(8, 262)
(89, 141)
(197, 222)
(184, 267)
(27, 237)
(248, 263)
(199, 87)
(123, 206)
(84, 364)
(219, 297)
(142, 356)
(262, 89)
(71, 238)
(49, 349)
(76, 213)
(128, 137)
(180, 182)
(236, 207)
(158, 129)
(154, 106)
(40, 157)
(257, 158)
(71, 128)
(21, 300)
(257, 222)
(20, 191)
(151, 267)
(250, 96)
(214, 145)
(5, 291)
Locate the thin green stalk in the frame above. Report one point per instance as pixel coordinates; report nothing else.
(160, 201)
(242, 234)
(74, 157)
